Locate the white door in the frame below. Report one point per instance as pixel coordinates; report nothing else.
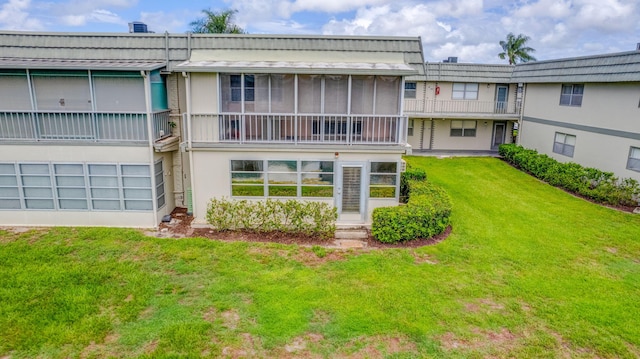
(350, 199)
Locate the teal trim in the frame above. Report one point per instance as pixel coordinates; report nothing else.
(65, 73)
(158, 92)
(129, 74)
(9, 72)
(592, 129)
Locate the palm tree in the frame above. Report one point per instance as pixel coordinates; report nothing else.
(216, 23)
(515, 50)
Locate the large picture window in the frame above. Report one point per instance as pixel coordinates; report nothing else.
(463, 128)
(571, 95)
(9, 190)
(564, 144)
(281, 178)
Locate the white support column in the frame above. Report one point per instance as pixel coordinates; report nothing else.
(147, 99)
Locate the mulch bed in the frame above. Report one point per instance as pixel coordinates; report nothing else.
(182, 228)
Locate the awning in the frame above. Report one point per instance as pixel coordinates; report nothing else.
(68, 64)
(301, 62)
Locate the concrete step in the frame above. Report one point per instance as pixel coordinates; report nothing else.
(352, 233)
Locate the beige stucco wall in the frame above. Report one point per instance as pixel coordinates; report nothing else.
(607, 153)
(70, 153)
(421, 134)
(612, 105)
(442, 139)
(212, 179)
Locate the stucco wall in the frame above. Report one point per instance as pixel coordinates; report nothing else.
(213, 179)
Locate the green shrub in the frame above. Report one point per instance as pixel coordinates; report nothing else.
(411, 174)
(599, 186)
(292, 216)
(425, 215)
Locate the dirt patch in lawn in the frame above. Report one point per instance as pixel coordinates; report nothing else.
(481, 340)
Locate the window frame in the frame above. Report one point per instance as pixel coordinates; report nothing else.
(410, 90)
(268, 187)
(376, 188)
(562, 148)
(633, 162)
(465, 131)
(572, 98)
(466, 93)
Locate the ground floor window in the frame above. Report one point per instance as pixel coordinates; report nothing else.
(463, 128)
(633, 163)
(410, 128)
(75, 186)
(281, 178)
(564, 144)
(159, 173)
(383, 179)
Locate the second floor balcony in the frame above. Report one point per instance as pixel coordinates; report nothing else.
(461, 107)
(89, 127)
(257, 128)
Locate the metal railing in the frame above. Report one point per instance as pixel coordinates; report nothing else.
(291, 128)
(460, 106)
(82, 126)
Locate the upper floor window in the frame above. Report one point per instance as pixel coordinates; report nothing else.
(571, 95)
(564, 144)
(633, 163)
(235, 85)
(463, 128)
(410, 90)
(465, 91)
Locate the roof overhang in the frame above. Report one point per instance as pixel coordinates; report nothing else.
(72, 64)
(300, 62)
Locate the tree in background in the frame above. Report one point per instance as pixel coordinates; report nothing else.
(515, 49)
(216, 23)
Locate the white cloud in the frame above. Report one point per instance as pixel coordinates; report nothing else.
(160, 21)
(15, 15)
(97, 15)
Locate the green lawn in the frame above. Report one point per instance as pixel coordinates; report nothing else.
(528, 271)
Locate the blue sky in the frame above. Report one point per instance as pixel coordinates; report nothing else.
(468, 29)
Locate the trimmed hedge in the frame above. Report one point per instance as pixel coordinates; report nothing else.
(292, 216)
(411, 174)
(599, 186)
(425, 215)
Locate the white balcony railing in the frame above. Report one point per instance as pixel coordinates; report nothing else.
(82, 126)
(460, 106)
(290, 128)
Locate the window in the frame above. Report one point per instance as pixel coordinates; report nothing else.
(159, 174)
(633, 163)
(383, 179)
(36, 186)
(71, 188)
(410, 128)
(410, 90)
(76, 186)
(564, 144)
(136, 187)
(9, 191)
(282, 178)
(463, 128)
(571, 95)
(465, 91)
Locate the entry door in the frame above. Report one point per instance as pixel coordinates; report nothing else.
(350, 193)
(499, 129)
(502, 96)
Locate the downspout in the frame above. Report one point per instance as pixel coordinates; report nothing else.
(520, 122)
(187, 79)
(147, 98)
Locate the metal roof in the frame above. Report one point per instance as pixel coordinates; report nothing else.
(462, 72)
(63, 64)
(618, 67)
(297, 61)
(174, 49)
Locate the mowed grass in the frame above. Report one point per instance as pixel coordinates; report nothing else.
(528, 272)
